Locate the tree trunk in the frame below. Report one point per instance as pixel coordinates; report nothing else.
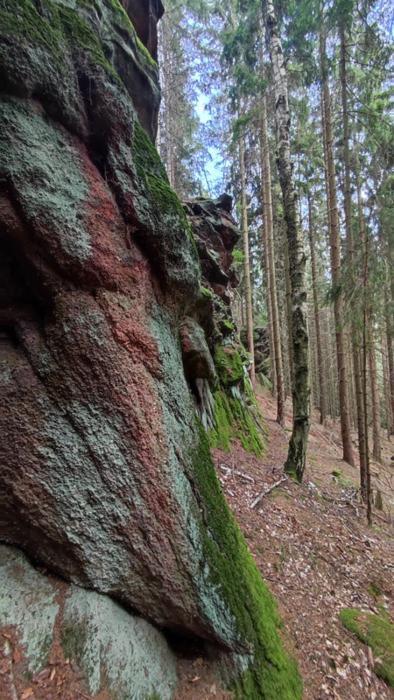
(357, 373)
(248, 287)
(296, 458)
(390, 356)
(386, 385)
(320, 370)
(366, 477)
(269, 241)
(269, 314)
(375, 400)
(333, 220)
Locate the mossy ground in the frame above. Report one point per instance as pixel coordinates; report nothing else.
(377, 631)
(272, 674)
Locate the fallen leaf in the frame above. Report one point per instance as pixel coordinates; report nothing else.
(27, 693)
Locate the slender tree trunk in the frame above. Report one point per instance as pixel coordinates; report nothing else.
(289, 313)
(357, 369)
(335, 260)
(269, 241)
(269, 314)
(375, 400)
(322, 388)
(366, 480)
(390, 354)
(296, 459)
(248, 286)
(386, 385)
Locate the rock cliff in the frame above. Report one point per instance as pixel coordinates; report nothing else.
(106, 481)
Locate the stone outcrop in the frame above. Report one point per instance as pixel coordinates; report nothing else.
(261, 349)
(64, 628)
(105, 474)
(225, 400)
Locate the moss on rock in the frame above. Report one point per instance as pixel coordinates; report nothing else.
(377, 631)
(229, 364)
(234, 419)
(236, 411)
(266, 671)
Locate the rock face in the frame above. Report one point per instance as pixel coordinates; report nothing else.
(225, 400)
(261, 349)
(105, 473)
(55, 625)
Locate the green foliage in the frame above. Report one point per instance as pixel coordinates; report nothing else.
(272, 674)
(377, 631)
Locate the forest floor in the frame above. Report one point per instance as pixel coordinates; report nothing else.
(316, 553)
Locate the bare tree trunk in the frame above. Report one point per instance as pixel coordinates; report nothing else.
(269, 314)
(296, 458)
(269, 241)
(386, 385)
(248, 287)
(366, 477)
(322, 388)
(289, 313)
(357, 370)
(390, 355)
(377, 449)
(335, 259)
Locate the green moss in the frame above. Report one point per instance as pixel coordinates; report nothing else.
(374, 590)
(65, 28)
(340, 479)
(234, 419)
(377, 631)
(150, 169)
(228, 324)
(272, 674)
(229, 365)
(208, 293)
(82, 37)
(24, 22)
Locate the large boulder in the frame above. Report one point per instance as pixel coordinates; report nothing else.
(105, 472)
(59, 640)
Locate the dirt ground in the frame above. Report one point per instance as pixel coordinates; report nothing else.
(314, 549)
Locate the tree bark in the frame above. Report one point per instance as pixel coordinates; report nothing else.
(269, 314)
(366, 477)
(357, 373)
(386, 385)
(333, 221)
(269, 241)
(375, 400)
(390, 354)
(296, 458)
(320, 370)
(248, 287)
